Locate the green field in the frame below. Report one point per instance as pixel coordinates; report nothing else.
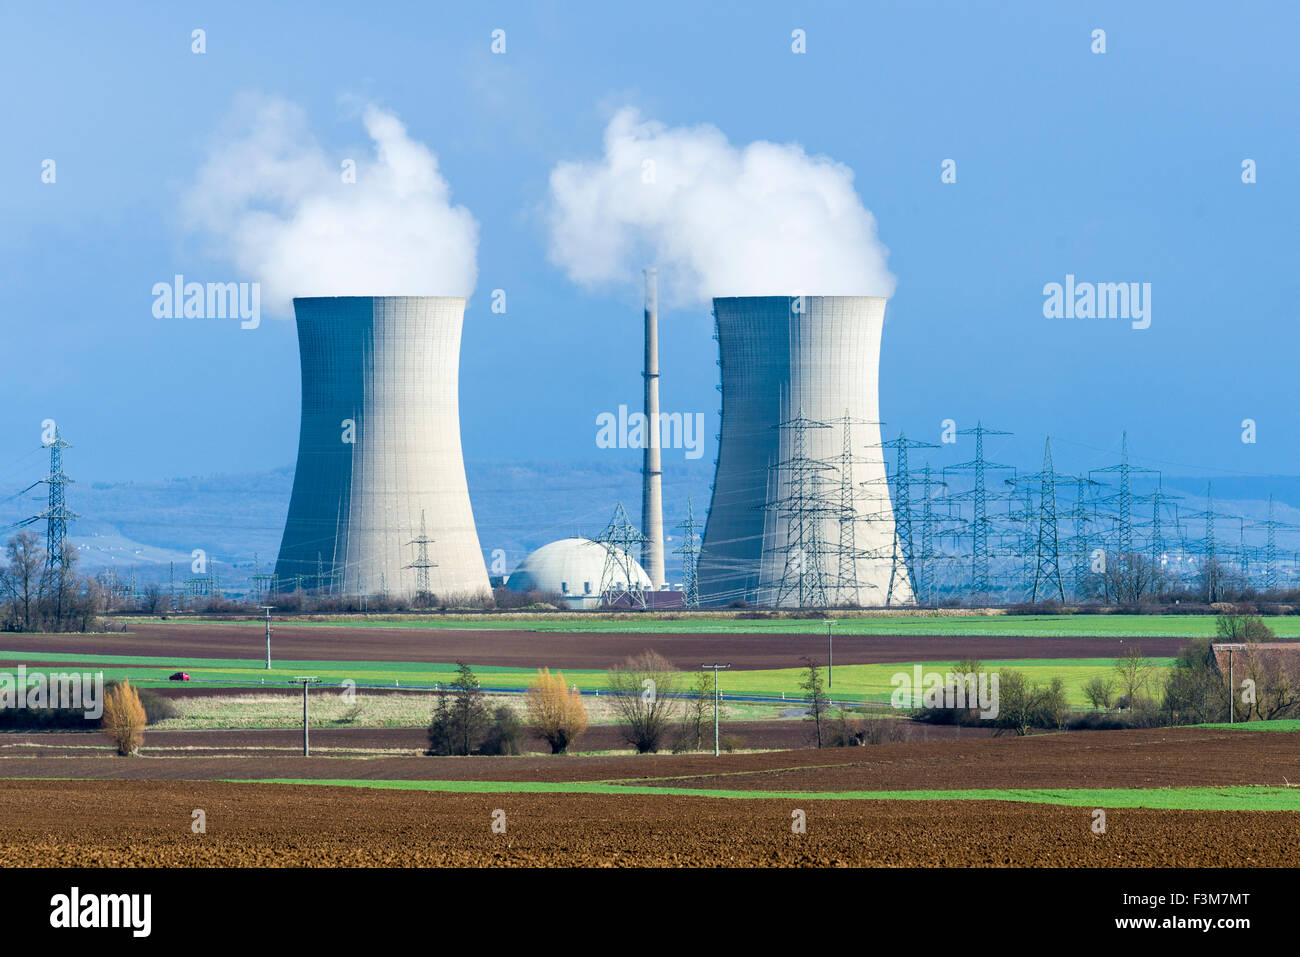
(1279, 724)
(850, 623)
(1234, 798)
(851, 683)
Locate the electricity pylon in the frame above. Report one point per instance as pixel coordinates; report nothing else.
(57, 514)
(422, 562)
(1271, 526)
(980, 523)
(618, 579)
(801, 487)
(903, 556)
(1124, 498)
(690, 552)
(1048, 570)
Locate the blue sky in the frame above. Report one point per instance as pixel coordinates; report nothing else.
(1117, 167)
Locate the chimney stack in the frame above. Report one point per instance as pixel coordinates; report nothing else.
(652, 496)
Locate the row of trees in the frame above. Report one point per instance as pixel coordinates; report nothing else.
(1198, 689)
(651, 709)
(36, 595)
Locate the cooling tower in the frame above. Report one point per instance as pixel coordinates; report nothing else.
(378, 449)
(793, 521)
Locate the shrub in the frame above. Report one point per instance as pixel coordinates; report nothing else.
(461, 721)
(1239, 623)
(556, 714)
(124, 718)
(505, 735)
(730, 742)
(1100, 692)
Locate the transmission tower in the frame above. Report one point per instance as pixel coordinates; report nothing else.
(922, 566)
(1045, 548)
(618, 579)
(1124, 499)
(1156, 539)
(1209, 546)
(1271, 525)
(801, 485)
(422, 562)
(903, 555)
(980, 523)
(57, 514)
(690, 551)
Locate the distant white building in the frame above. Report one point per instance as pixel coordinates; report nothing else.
(573, 568)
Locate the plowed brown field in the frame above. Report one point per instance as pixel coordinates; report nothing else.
(179, 641)
(129, 823)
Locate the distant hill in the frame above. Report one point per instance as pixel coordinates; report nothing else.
(518, 506)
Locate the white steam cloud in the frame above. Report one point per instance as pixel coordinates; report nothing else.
(764, 219)
(279, 209)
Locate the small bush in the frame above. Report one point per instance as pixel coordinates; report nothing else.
(731, 742)
(506, 733)
(124, 718)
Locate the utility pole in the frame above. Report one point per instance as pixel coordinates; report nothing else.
(830, 661)
(305, 681)
(715, 666)
(268, 609)
(1232, 692)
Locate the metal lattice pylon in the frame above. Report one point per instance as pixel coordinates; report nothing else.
(1124, 499)
(1047, 571)
(57, 514)
(689, 549)
(422, 562)
(618, 579)
(980, 523)
(804, 506)
(902, 562)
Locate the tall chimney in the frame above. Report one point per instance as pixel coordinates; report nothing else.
(652, 493)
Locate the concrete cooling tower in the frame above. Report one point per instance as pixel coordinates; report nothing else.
(800, 515)
(380, 502)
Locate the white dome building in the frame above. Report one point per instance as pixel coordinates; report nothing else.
(573, 568)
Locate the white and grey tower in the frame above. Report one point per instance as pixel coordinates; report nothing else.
(652, 482)
(797, 372)
(379, 448)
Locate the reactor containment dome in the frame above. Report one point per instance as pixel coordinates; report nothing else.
(800, 514)
(574, 568)
(380, 503)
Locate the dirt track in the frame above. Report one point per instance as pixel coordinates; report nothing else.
(133, 824)
(247, 640)
(1161, 758)
(755, 735)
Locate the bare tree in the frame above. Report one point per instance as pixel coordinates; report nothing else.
(20, 579)
(699, 712)
(1131, 577)
(1134, 673)
(818, 703)
(153, 599)
(642, 694)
